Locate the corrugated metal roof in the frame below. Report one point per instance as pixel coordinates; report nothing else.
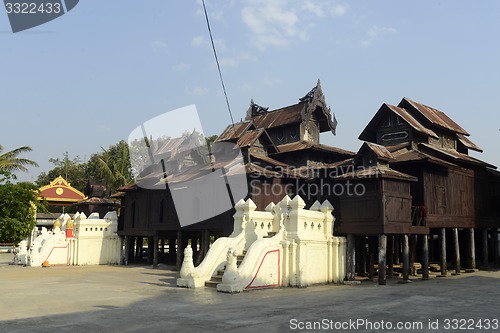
(269, 160)
(280, 117)
(415, 156)
(456, 156)
(379, 150)
(97, 201)
(397, 147)
(344, 163)
(435, 116)
(418, 156)
(411, 121)
(301, 145)
(377, 172)
(234, 132)
(129, 187)
(248, 138)
(469, 144)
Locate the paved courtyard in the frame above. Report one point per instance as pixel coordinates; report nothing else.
(142, 299)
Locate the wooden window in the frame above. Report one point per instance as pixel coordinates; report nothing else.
(386, 122)
(401, 135)
(280, 136)
(441, 198)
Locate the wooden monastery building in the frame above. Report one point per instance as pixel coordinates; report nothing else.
(411, 194)
(428, 185)
(277, 148)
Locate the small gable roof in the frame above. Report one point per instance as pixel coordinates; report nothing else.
(250, 137)
(381, 152)
(432, 115)
(234, 132)
(469, 144)
(370, 131)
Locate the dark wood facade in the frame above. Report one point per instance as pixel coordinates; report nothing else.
(275, 146)
(380, 200)
(413, 169)
(454, 193)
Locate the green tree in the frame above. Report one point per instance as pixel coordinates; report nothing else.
(73, 170)
(211, 139)
(113, 165)
(11, 162)
(18, 204)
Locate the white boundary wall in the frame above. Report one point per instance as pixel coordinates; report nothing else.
(94, 242)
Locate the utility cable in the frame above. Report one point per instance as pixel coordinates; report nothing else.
(218, 66)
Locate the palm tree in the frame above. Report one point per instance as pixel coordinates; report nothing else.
(114, 163)
(10, 162)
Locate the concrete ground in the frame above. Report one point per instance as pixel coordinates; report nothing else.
(142, 299)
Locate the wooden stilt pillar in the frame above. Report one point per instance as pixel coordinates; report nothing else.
(150, 249)
(155, 251)
(397, 249)
(139, 242)
(351, 257)
(127, 250)
(390, 256)
(457, 251)
(132, 249)
(406, 258)
(172, 241)
(371, 247)
(413, 245)
(205, 242)
(194, 247)
(382, 258)
(496, 248)
(472, 250)
(485, 247)
(362, 257)
(179, 251)
(442, 238)
(425, 257)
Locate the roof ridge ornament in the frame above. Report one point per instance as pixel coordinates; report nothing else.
(309, 96)
(255, 110)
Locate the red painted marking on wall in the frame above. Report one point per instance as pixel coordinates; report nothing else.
(59, 247)
(257, 273)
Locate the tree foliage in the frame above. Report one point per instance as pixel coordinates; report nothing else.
(18, 204)
(111, 166)
(11, 162)
(73, 170)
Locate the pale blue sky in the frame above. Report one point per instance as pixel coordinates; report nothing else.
(89, 78)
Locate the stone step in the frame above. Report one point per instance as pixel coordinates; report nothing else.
(216, 278)
(211, 284)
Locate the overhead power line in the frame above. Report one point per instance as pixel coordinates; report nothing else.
(217, 61)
